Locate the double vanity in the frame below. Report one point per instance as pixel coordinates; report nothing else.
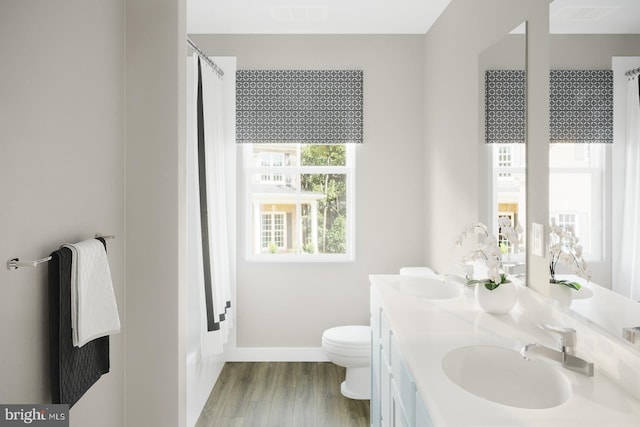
(439, 360)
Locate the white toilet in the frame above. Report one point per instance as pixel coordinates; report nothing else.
(350, 346)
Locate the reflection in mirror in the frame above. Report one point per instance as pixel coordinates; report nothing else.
(503, 114)
(591, 187)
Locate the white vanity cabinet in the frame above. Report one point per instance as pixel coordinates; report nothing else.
(411, 336)
(395, 401)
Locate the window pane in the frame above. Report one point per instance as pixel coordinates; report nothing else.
(323, 155)
(511, 203)
(575, 192)
(572, 155)
(324, 216)
(274, 206)
(509, 189)
(570, 203)
(266, 229)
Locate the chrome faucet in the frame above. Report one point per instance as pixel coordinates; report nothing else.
(566, 341)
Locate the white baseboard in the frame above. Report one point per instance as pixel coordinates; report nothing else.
(276, 354)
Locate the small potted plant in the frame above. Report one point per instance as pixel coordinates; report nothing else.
(564, 248)
(495, 293)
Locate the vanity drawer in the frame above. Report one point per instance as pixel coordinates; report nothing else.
(385, 391)
(403, 381)
(385, 337)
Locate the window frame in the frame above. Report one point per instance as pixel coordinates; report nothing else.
(249, 169)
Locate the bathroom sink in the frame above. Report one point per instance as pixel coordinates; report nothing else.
(427, 287)
(504, 376)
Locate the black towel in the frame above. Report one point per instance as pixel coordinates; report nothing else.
(73, 370)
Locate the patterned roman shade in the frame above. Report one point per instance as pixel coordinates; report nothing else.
(299, 106)
(504, 106)
(580, 106)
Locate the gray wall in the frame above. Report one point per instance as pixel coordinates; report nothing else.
(454, 151)
(454, 183)
(61, 179)
(590, 51)
(156, 223)
(67, 173)
(291, 304)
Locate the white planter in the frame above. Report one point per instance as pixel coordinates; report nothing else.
(561, 293)
(498, 301)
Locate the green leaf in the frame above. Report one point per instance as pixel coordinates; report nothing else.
(491, 285)
(568, 284)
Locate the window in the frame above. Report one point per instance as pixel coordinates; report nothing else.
(576, 182)
(566, 220)
(504, 159)
(272, 231)
(509, 192)
(268, 159)
(576, 177)
(299, 200)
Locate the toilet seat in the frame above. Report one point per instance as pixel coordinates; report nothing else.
(354, 341)
(348, 336)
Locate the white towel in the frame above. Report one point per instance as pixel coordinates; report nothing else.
(94, 312)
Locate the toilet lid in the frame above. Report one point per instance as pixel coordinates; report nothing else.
(348, 335)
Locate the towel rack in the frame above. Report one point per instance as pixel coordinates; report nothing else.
(14, 263)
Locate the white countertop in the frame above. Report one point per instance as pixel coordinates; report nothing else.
(428, 329)
(603, 307)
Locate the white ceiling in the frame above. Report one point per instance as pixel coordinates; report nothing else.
(386, 16)
(312, 16)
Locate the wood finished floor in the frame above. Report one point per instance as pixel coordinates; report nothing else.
(282, 394)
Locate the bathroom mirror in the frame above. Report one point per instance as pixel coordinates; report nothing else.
(502, 121)
(585, 179)
(571, 48)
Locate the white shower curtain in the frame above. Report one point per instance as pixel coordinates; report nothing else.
(210, 222)
(627, 281)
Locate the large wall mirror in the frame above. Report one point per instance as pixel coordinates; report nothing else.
(502, 107)
(593, 43)
(590, 187)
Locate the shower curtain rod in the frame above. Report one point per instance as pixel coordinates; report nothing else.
(206, 59)
(632, 73)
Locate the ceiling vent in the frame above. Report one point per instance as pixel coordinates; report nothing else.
(298, 14)
(582, 13)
